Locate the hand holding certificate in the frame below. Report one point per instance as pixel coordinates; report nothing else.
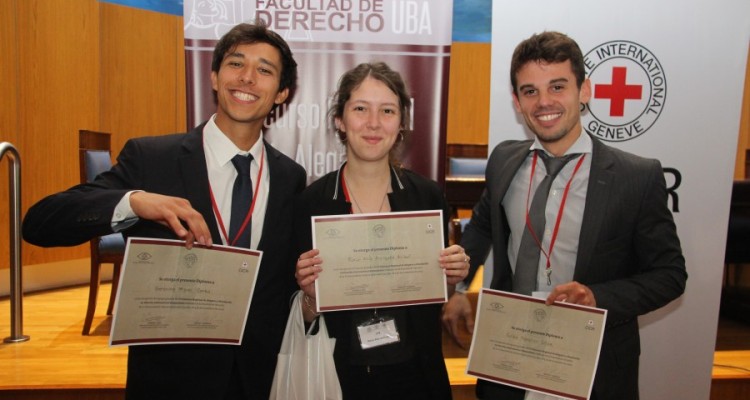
(379, 260)
(170, 294)
(520, 341)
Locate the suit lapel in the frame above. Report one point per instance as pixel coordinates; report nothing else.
(511, 159)
(195, 178)
(599, 188)
(500, 174)
(277, 195)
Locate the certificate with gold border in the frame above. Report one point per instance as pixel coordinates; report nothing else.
(169, 294)
(520, 341)
(379, 260)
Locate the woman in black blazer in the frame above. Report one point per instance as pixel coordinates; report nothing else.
(371, 113)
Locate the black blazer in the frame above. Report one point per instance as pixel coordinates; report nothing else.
(410, 192)
(629, 254)
(175, 165)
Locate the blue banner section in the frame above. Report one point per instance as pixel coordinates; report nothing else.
(173, 7)
(472, 21)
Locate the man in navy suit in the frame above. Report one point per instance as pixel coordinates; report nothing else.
(615, 244)
(180, 187)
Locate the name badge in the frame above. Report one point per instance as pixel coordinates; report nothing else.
(377, 332)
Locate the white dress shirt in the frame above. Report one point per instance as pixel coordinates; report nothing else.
(221, 174)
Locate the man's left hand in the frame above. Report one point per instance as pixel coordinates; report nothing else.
(572, 292)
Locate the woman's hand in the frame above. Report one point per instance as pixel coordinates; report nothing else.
(307, 270)
(455, 263)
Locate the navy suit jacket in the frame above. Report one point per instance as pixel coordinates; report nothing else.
(629, 254)
(175, 165)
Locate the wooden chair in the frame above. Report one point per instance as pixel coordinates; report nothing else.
(94, 157)
(464, 183)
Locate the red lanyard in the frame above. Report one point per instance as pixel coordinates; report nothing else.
(548, 254)
(249, 215)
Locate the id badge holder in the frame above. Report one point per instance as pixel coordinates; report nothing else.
(377, 331)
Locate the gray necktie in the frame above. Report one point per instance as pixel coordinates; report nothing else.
(527, 262)
(242, 198)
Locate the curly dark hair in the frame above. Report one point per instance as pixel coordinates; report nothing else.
(550, 47)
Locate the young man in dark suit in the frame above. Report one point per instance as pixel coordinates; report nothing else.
(180, 187)
(615, 245)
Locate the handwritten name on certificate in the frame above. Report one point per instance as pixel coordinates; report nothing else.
(169, 294)
(520, 341)
(379, 260)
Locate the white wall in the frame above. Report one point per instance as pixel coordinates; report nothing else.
(702, 51)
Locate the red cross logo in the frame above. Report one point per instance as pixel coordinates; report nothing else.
(618, 91)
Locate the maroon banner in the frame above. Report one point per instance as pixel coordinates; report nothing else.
(398, 33)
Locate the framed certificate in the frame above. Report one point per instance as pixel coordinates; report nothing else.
(379, 260)
(520, 341)
(169, 294)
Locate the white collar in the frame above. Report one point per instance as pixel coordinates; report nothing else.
(583, 144)
(224, 149)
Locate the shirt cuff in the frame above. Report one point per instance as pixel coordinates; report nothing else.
(123, 216)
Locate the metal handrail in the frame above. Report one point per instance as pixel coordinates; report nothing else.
(16, 291)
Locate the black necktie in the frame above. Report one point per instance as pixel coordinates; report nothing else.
(527, 262)
(242, 197)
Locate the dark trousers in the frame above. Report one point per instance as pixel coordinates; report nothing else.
(393, 382)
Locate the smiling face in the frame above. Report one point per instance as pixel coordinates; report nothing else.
(247, 88)
(549, 99)
(371, 121)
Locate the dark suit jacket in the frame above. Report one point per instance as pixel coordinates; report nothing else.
(175, 165)
(629, 254)
(325, 197)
